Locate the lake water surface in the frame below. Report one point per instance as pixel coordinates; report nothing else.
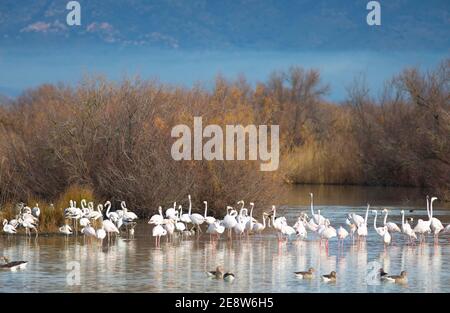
(260, 263)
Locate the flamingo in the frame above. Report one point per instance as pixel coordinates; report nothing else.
(258, 227)
(8, 228)
(66, 230)
(36, 211)
(157, 218)
(196, 219)
(382, 231)
(300, 228)
(317, 218)
(109, 227)
(392, 227)
(406, 229)
(157, 232)
(239, 228)
(208, 219)
(436, 225)
(215, 229)
(229, 221)
(352, 227)
(362, 228)
(341, 234)
(250, 221)
(170, 212)
(185, 218)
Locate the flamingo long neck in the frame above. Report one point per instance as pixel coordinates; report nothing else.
(206, 208)
(375, 220)
(108, 204)
(273, 215)
(431, 208)
(367, 214)
(403, 218)
(190, 206)
(428, 208)
(385, 217)
(264, 221)
(242, 205)
(312, 205)
(83, 204)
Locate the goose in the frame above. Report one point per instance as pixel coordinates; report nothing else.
(14, 265)
(8, 228)
(383, 274)
(329, 277)
(219, 274)
(305, 275)
(436, 225)
(398, 279)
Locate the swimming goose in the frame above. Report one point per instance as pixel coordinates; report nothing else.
(14, 265)
(219, 274)
(305, 275)
(398, 279)
(330, 277)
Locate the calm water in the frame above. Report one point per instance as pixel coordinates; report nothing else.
(260, 263)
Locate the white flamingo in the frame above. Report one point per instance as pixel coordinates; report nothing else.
(208, 219)
(342, 233)
(8, 228)
(229, 221)
(436, 225)
(258, 227)
(319, 220)
(406, 229)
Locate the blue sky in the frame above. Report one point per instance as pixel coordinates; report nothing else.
(186, 41)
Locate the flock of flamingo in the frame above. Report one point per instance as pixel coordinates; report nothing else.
(176, 224)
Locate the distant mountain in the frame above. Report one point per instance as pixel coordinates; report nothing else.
(219, 24)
